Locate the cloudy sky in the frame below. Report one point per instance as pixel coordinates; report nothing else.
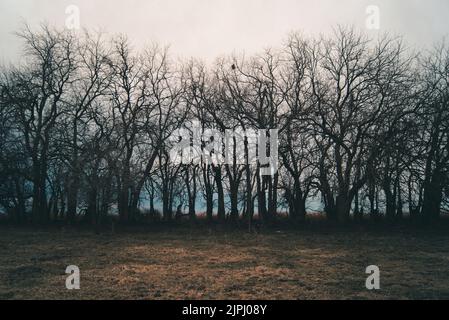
(209, 28)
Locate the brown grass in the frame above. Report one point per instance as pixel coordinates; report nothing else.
(197, 264)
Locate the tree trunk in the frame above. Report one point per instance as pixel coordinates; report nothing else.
(433, 193)
(221, 214)
(209, 193)
(343, 208)
(234, 202)
(261, 197)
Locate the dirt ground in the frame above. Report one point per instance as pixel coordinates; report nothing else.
(185, 263)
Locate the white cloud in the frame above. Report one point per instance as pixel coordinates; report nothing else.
(208, 28)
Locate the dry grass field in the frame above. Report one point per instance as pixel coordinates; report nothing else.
(184, 263)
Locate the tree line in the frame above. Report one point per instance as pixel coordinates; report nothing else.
(86, 126)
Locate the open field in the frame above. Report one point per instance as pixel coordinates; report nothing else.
(200, 263)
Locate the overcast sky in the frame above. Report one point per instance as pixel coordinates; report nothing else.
(209, 28)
